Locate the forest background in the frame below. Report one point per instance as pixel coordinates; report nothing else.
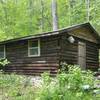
(26, 17)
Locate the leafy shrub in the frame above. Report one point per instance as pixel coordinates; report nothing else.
(3, 63)
(69, 84)
(73, 84)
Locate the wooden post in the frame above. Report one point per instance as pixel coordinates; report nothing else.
(82, 54)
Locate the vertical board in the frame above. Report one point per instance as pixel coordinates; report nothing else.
(82, 54)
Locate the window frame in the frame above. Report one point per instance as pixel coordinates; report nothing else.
(29, 41)
(4, 52)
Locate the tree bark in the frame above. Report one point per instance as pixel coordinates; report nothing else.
(54, 15)
(88, 10)
(31, 15)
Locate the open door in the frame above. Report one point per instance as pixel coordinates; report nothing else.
(82, 54)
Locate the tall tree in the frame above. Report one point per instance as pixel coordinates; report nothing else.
(31, 15)
(88, 10)
(54, 15)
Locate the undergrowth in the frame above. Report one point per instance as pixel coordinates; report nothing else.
(73, 84)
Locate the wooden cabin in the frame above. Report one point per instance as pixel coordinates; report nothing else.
(44, 52)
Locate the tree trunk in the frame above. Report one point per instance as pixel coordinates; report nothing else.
(88, 10)
(31, 15)
(54, 15)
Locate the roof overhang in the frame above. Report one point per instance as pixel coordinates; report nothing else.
(94, 32)
(46, 34)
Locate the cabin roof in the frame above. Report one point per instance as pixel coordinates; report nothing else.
(55, 33)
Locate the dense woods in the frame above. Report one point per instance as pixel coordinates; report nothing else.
(23, 17)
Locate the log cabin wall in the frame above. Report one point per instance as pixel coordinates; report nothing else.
(17, 54)
(53, 50)
(92, 56)
(86, 35)
(69, 51)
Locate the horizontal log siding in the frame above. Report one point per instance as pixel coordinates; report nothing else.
(92, 56)
(69, 51)
(17, 54)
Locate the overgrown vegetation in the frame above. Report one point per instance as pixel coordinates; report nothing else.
(73, 84)
(3, 63)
